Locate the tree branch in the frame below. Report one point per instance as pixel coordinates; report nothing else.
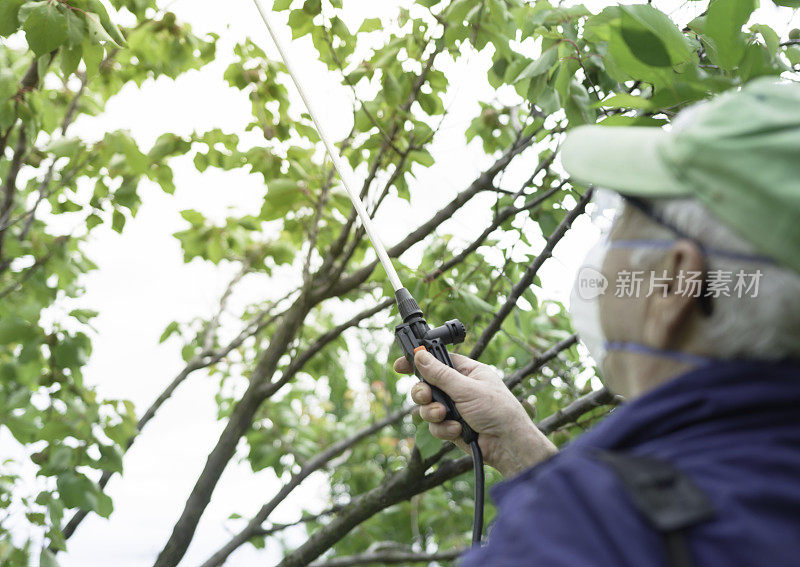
(578, 408)
(527, 278)
(316, 463)
(389, 557)
(274, 528)
(301, 359)
(501, 217)
(402, 486)
(514, 379)
(239, 422)
(483, 181)
(9, 189)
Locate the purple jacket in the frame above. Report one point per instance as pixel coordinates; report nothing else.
(733, 428)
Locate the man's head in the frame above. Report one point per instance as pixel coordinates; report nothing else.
(683, 290)
(701, 262)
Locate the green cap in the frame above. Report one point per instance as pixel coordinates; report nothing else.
(738, 154)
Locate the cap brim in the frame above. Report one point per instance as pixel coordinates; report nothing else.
(622, 158)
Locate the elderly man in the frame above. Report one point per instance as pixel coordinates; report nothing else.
(701, 465)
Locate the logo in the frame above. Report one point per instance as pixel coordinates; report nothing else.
(591, 283)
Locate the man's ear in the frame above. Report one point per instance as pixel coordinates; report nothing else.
(671, 306)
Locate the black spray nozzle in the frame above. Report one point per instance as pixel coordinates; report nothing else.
(452, 332)
(406, 304)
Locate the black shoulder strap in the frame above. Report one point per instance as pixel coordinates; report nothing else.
(669, 500)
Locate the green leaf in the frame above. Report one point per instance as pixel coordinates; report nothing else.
(300, 22)
(60, 459)
(370, 25)
(541, 65)
(312, 7)
(474, 303)
(93, 220)
(77, 491)
(422, 157)
(652, 37)
(625, 100)
(45, 28)
(171, 329)
(724, 28)
(117, 221)
(281, 5)
(15, 330)
(92, 57)
(425, 441)
(194, 217)
(110, 458)
(97, 33)
(788, 3)
(63, 147)
(391, 88)
(8, 84)
(578, 105)
(282, 194)
(108, 26)
(793, 54)
(70, 59)
(9, 12)
(76, 29)
(620, 120)
(771, 38)
(47, 559)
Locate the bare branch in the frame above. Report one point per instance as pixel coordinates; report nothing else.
(514, 379)
(313, 233)
(274, 528)
(213, 324)
(578, 408)
(72, 109)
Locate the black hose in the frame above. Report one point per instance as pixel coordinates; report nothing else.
(477, 463)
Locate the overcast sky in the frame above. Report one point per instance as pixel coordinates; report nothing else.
(142, 284)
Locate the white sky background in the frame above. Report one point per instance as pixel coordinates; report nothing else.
(142, 283)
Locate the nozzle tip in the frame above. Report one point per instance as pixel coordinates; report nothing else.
(406, 304)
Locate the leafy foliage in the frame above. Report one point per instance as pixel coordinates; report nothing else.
(76, 59)
(313, 387)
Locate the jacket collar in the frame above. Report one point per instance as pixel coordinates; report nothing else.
(720, 391)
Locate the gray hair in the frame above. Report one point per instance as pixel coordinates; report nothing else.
(764, 326)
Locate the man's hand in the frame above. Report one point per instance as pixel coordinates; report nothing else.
(509, 440)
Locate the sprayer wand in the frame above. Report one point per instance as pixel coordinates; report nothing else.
(414, 333)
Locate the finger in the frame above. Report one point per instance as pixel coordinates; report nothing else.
(447, 430)
(421, 393)
(401, 365)
(433, 413)
(465, 364)
(455, 384)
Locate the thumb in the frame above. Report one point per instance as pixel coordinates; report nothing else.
(450, 380)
